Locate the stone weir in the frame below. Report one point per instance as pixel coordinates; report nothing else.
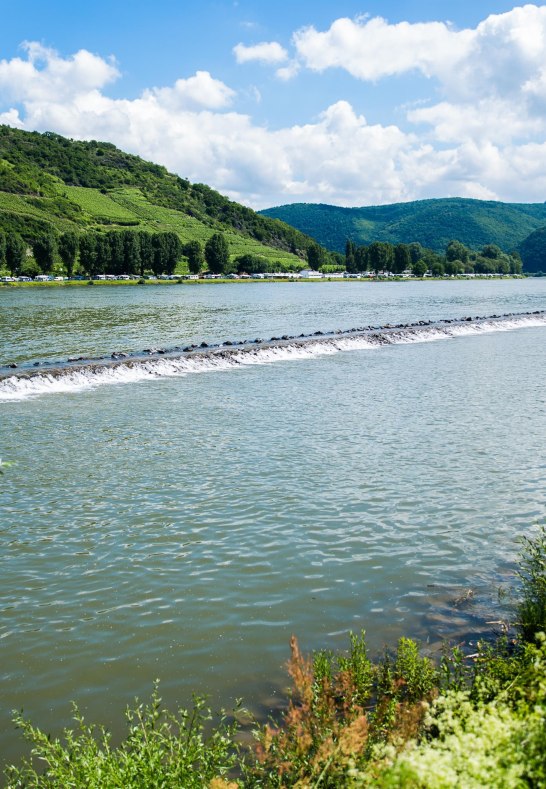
(241, 351)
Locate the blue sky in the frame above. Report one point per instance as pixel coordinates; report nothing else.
(346, 103)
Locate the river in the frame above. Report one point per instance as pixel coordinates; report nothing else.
(182, 525)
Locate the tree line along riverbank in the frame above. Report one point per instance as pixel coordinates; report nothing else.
(140, 254)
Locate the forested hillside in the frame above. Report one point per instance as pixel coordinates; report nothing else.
(432, 223)
(533, 251)
(51, 186)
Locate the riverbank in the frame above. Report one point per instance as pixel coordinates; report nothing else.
(400, 721)
(160, 491)
(225, 280)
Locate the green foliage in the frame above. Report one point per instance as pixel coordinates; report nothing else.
(342, 706)
(380, 256)
(532, 575)
(217, 254)
(414, 675)
(15, 252)
(160, 750)
(30, 268)
(533, 251)
(68, 249)
(193, 250)
(316, 256)
(252, 264)
(2, 249)
(457, 251)
(88, 254)
(131, 252)
(44, 248)
(454, 267)
(128, 252)
(432, 223)
(74, 185)
(419, 268)
(474, 740)
(402, 258)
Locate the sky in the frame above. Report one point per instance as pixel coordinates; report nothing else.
(347, 103)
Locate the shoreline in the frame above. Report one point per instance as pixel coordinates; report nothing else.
(226, 281)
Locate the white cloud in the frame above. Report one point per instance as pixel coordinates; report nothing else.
(288, 72)
(44, 75)
(199, 91)
(266, 52)
(493, 120)
(484, 138)
(495, 58)
(370, 49)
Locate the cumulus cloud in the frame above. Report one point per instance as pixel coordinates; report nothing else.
(289, 71)
(266, 52)
(370, 49)
(201, 90)
(498, 56)
(486, 133)
(45, 76)
(484, 136)
(490, 76)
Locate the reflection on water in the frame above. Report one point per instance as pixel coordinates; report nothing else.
(185, 527)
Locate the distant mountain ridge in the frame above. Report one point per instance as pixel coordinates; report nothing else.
(433, 223)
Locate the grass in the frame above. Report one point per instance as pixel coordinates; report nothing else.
(98, 205)
(128, 207)
(157, 218)
(350, 721)
(39, 208)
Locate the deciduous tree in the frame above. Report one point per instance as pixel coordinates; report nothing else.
(68, 249)
(217, 253)
(45, 251)
(193, 250)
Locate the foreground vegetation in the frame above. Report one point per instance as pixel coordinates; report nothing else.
(400, 721)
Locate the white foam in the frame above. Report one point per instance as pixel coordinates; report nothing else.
(21, 388)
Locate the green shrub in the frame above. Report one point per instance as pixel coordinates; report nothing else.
(349, 722)
(471, 743)
(532, 575)
(341, 707)
(161, 750)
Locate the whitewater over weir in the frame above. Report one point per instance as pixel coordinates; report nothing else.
(79, 374)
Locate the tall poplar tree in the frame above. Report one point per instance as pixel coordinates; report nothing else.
(15, 252)
(196, 259)
(45, 250)
(217, 253)
(68, 249)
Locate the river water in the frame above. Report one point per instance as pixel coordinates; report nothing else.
(182, 525)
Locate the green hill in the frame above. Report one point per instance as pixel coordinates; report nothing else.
(50, 183)
(533, 251)
(433, 223)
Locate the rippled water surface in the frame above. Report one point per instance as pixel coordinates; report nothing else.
(183, 527)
